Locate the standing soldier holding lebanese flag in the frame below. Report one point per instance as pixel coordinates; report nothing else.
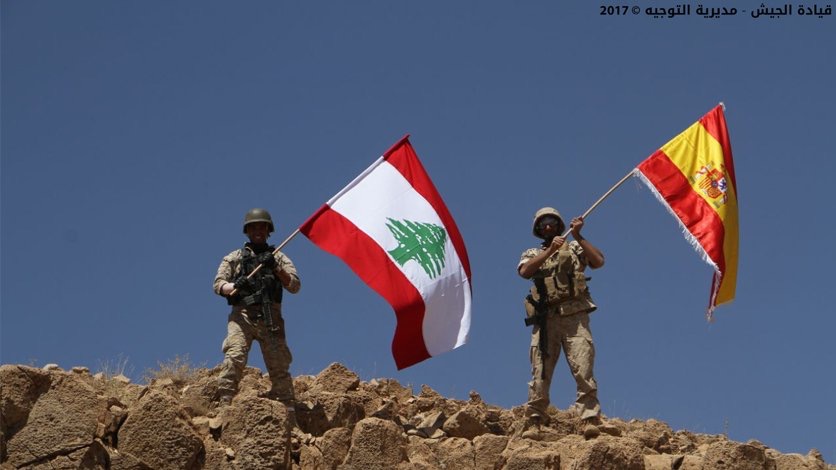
(252, 279)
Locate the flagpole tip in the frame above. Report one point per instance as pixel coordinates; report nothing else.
(723, 105)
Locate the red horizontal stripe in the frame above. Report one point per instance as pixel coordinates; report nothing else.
(306, 226)
(695, 213)
(405, 160)
(337, 235)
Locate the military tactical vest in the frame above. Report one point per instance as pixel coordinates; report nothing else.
(563, 283)
(266, 288)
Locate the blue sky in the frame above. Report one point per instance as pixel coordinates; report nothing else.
(135, 135)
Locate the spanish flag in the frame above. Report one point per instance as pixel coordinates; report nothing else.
(693, 176)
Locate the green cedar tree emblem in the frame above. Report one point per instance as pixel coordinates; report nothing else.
(421, 242)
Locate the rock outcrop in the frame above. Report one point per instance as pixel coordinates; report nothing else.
(50, 418)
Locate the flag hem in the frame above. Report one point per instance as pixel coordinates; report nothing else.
(691, 239)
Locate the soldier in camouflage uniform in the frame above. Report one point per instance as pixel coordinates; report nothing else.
(561, 304)
(256, 309)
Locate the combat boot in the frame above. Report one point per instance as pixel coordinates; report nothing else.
(531, 427)
(536, 428)
(225, 397)
(590, 428)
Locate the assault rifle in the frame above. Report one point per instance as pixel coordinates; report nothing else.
(536, 313)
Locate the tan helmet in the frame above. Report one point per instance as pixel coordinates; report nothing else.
(258, 215)
(547, 211)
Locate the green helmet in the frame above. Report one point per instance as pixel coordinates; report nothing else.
(258, 215)
(547, 211)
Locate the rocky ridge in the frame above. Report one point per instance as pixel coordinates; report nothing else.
(56, 419)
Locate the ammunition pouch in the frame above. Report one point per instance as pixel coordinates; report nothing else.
(266, 288)
(564, 286)
(249, 300)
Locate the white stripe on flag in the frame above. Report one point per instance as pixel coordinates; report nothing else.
(447, 296)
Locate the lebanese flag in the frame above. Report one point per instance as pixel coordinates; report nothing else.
(391, 227)
(693, 176)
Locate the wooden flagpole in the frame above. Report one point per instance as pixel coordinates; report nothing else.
(601, 199)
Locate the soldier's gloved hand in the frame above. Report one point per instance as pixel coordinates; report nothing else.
(242, 283)
(267, 259)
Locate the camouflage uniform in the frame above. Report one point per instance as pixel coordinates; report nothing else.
(245, 325)
(567, 328)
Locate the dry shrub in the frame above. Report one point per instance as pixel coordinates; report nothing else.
(180, 370)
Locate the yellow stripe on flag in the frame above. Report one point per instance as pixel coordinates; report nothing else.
(699, 157)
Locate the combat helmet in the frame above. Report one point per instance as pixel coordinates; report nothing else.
(258, 215)
(561, 226)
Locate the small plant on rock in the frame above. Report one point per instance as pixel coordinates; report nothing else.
(180, 370)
